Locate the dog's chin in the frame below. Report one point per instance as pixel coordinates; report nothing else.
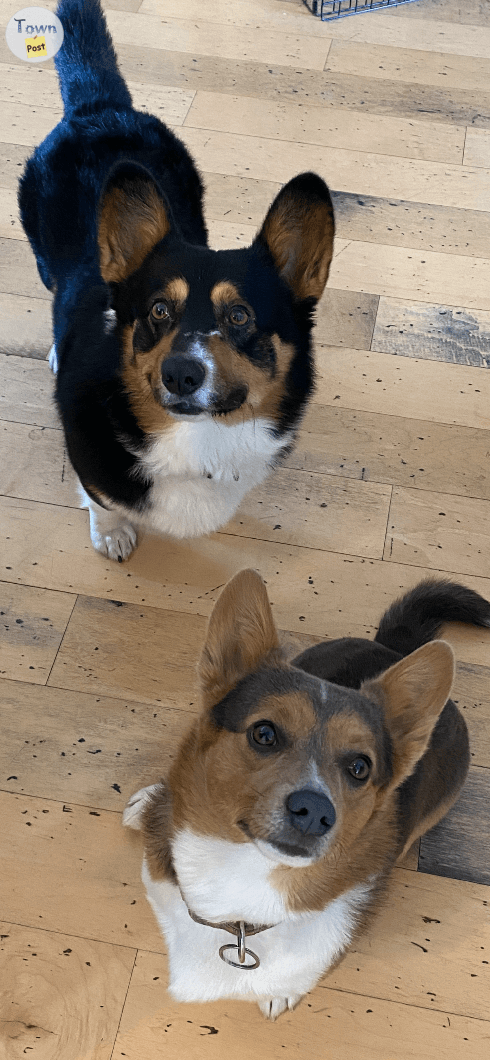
(187, 410)
(215, 407)
(286, 854)
(282, 853)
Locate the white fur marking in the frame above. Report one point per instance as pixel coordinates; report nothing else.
(110, 533)
(136, 805)
(228, 881)
(53, 359)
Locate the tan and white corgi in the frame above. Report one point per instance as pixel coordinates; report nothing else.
(269, 845)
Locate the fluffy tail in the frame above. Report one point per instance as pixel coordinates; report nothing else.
(86, 62)
(417, 617)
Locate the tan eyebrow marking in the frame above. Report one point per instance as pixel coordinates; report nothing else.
(177, 289)
(224, 292)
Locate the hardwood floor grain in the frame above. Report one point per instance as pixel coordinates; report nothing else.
(343, 1019)
(457, 846)
(434, 332)
(61, 995)
(32, 624)
(388, 484)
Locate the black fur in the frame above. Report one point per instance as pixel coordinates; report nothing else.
(413, 620)
(101, 143)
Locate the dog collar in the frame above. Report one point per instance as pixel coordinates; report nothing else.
(240, 929)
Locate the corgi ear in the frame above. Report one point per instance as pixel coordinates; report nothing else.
(413, 693)
(240, 635)
(299, 232)
(133, 218)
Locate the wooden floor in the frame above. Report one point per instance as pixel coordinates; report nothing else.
(389, 482)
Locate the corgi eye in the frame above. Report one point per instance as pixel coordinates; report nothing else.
(264, 734)
(238, 316)
(159, 311)
(360, 768)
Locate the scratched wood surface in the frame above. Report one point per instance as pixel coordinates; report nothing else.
(389, 483)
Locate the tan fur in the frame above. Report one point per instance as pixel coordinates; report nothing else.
(131, 223)
(219, 782)
(265, 388)
(176, 291)
(156, 827)
(142, 377)
(142, 374)
(240, 634)
(225, 293)
(300, 240)
(413, 693)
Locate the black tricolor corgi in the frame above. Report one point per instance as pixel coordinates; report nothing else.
(182, 371)
(296, 790)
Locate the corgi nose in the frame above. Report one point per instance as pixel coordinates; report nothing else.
(182, 375)
(310, 812)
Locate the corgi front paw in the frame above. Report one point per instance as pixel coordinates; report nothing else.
(136, 805)
(272, 1007)
(116, 544)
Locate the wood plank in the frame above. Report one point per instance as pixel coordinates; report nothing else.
(274, 81)
(459, 846)
(156, 651)
(421, 35)
(477, 148)
(49, 546)
(12, 160)
(469, 642)
(34, 465)
(25, 325)
(475, 13)
(345, 170)
(110, 906)
(343, 1020)
(433, 332)
(255, 13)
(32, 624)
(439, 530)
(392, 449)
(392, 63)
(319, 511)
(24, 89)
(346, 318)
(315, 125)
(406, 273)
(471, 693)
(403, 386)
(464, 40)
(122, 5)
(19, 276)
(367, 218)
(62, 996)
(447, 919)
(412, 224)
(232, 42)
(10, 226)
(99, 863)
(27, 123)
(26, 391)
(87, 749)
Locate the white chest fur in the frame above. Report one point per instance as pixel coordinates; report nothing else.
(227, 881)
(202, 469)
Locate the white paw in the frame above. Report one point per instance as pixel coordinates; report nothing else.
(272, 1007)
(53, 359)
(117, 544)
(136, 805)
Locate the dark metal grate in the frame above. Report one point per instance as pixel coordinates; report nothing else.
(330, 9)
